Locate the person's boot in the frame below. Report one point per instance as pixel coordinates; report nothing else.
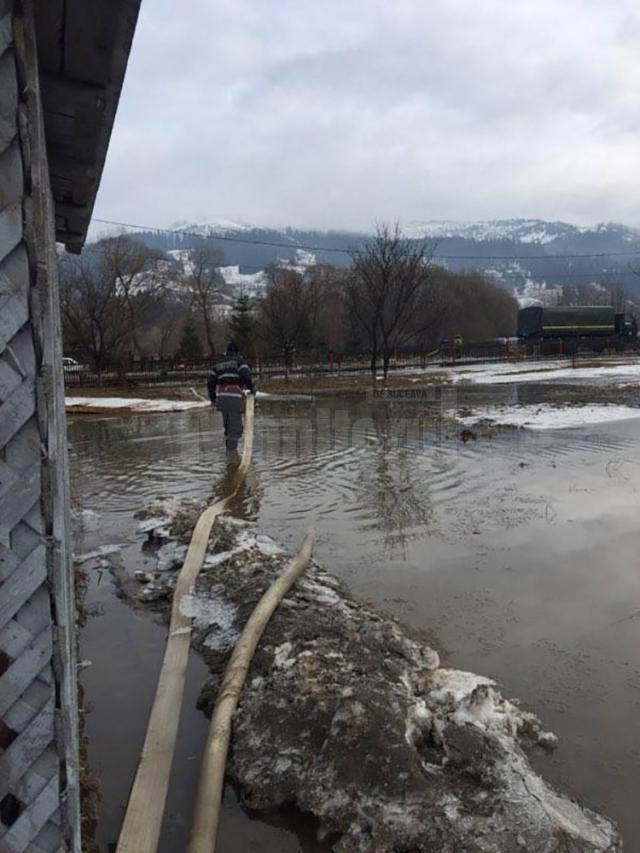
(232, 445)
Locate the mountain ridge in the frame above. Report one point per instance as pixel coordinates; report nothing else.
(514, 252)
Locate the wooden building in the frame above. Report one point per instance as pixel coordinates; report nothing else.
(62, 64)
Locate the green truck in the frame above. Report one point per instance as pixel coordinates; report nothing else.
(565, 321)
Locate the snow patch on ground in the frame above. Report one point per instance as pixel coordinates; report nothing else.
(92, 405)
(210, 613)
(133, 404)
(542, 371)
(546, 416)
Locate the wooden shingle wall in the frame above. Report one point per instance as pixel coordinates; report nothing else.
(38, 706)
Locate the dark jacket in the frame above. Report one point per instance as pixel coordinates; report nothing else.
(228, 379)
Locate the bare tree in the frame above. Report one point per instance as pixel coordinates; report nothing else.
(165, 335)
(139, 281)
(288, 310)
(592, 293)
(387, 284)
(109, 296)
(206, 286)
(93, 315)
(330, 331)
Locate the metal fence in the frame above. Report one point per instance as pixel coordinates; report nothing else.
(157, 371)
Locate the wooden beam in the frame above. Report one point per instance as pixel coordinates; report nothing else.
(85, 87)
(50, 34)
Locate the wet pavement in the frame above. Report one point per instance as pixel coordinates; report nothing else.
(520, 550)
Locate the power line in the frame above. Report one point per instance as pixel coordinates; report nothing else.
(590, 276)
(547, 276)
(251, 268)
(271, 243)
(332, 249)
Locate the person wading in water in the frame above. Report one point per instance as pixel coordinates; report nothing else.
(226, 384)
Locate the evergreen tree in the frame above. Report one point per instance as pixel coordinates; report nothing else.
(190, 343)
(242, 324)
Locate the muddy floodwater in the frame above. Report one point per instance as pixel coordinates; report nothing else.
(520, 549)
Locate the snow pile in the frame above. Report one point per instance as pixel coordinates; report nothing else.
(130, 404)
(546, 416)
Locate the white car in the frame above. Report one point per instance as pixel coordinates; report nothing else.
(70, 365)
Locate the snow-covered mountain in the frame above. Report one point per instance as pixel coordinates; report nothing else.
(517, 230)
(217, 225)
(528, 231)
(512, 251)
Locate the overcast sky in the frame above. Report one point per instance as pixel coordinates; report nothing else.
(342, 113)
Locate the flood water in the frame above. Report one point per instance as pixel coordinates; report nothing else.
(521, 551)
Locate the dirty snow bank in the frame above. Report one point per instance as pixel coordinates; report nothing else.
(348, 715)
(547, 416)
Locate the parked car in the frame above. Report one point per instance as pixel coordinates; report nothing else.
(70, 365)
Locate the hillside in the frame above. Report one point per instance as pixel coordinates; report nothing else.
(515, 252)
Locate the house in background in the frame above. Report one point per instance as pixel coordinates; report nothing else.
(62, 64)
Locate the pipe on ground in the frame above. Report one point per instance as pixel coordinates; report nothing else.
(207, 811)
(140, 831)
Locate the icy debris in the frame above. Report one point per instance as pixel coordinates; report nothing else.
(267, 546)
(148, 525)
(154, 591)
(214, 615)
(454, 685)
(171, 556)
(212, 560)
(103, 551)
(282, 655)
(466, 698)
(246, 541)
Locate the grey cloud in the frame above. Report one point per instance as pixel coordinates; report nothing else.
(342, 113)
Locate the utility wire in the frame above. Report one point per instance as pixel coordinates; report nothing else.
(279, 245)
(547, 276)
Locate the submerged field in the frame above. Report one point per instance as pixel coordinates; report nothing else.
(517, 547)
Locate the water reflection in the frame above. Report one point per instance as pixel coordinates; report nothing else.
(243, 491)
(392, 493)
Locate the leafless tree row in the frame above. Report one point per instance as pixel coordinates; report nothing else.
(121, 300)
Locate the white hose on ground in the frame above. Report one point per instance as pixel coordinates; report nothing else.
(198, 395)
(207, 812)
(140, 831)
